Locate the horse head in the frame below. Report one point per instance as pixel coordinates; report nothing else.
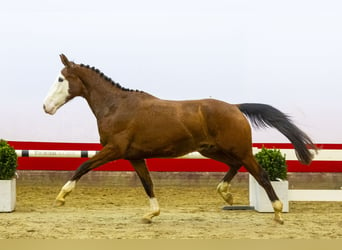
(66, 86)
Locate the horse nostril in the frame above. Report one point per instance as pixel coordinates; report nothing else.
(44, 107)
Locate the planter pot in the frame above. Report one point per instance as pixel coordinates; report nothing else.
(259, 199)
(7, 195)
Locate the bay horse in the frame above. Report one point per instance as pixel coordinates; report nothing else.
(135, 125)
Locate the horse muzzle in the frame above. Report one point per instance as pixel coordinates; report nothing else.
(50, 109)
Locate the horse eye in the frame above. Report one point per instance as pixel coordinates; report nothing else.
(60, 79)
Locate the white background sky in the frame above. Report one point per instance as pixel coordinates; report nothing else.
(284, 53)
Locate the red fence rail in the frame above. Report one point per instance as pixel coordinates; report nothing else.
(167, 165)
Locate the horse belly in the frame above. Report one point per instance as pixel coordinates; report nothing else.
(161, 148)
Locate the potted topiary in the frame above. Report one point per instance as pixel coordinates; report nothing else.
(8, 166)
(274, 163)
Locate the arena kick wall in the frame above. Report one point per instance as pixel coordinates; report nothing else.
(328, 160)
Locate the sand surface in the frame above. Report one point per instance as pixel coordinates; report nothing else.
(186, 213)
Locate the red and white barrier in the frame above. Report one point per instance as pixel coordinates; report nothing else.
(68, 156)
(64, 156)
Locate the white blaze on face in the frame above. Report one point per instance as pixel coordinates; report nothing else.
(57, 95)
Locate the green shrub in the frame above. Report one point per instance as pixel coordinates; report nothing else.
(8, 161)
(273, 162)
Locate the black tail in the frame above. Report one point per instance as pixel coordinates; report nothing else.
(262, 115)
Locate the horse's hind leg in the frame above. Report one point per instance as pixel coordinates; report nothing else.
(262, 178)
(223, 188)
(144, 175)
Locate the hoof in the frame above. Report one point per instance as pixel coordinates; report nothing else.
(224, 190)
(228, 197)
(58, 203)
(278, 207)
(279, 220)
(146, 220)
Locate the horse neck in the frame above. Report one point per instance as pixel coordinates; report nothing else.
(102, 96)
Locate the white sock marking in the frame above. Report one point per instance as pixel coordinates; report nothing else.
(69, 186)
(154, 204)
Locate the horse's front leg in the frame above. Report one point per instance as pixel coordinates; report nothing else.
(65, 191)
(155, 211)
(144, 175)
(104, 156)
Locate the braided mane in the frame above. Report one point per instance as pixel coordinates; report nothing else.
(117, 85)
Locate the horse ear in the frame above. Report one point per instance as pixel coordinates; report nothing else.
(65, 60)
